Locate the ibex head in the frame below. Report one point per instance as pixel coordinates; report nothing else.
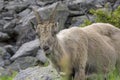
(46, 30)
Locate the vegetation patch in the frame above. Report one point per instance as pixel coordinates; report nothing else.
(8, 77)
(105, 16)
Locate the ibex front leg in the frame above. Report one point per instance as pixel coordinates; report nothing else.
(79, 75)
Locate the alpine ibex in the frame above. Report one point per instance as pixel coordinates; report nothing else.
(71, 50)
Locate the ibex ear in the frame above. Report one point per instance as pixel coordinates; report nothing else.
(52, 16)
(38, 17)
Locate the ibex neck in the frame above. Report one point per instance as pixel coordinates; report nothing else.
(56, 47)
(56, 52)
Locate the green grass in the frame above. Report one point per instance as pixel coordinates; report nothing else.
(115, 75)
(8, 77)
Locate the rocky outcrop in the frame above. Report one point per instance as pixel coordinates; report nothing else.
(22, 63)
(27, 49)
(38, 73)
(18, 39)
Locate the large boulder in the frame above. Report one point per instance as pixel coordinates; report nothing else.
(29, 48)
(38, 73)
(24, 34)
(23, 63)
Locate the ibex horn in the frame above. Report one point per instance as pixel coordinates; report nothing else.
(38, 17)
(52, 16)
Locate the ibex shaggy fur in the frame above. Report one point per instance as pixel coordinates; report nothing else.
(71, 50)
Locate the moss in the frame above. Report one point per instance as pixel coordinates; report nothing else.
(86, 22)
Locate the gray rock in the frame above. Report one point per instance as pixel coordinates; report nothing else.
(41, 56)
(38, 73)
(81, 6)
(2, 44)
(2, 51)
(10, 25)
(29, 48)
(117, 3)
(1, 4)
(7, 15)
(85, 5)
(10, 35)
(4, 54)
(8, 18)
(4, 72)
(79, 20)
(111, 1)
(98, 3)
(2, 23)
(2, 64)
(24, 13)
(33, 2)
(10, 49)
(1, 61)
(25, 34)
(7, 62)
(16, 6)
(23, 63)
(48, 1)
(4, 36)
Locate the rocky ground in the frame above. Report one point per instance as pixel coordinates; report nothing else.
(19, 46)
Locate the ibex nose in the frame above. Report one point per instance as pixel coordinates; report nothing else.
(45, 48)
